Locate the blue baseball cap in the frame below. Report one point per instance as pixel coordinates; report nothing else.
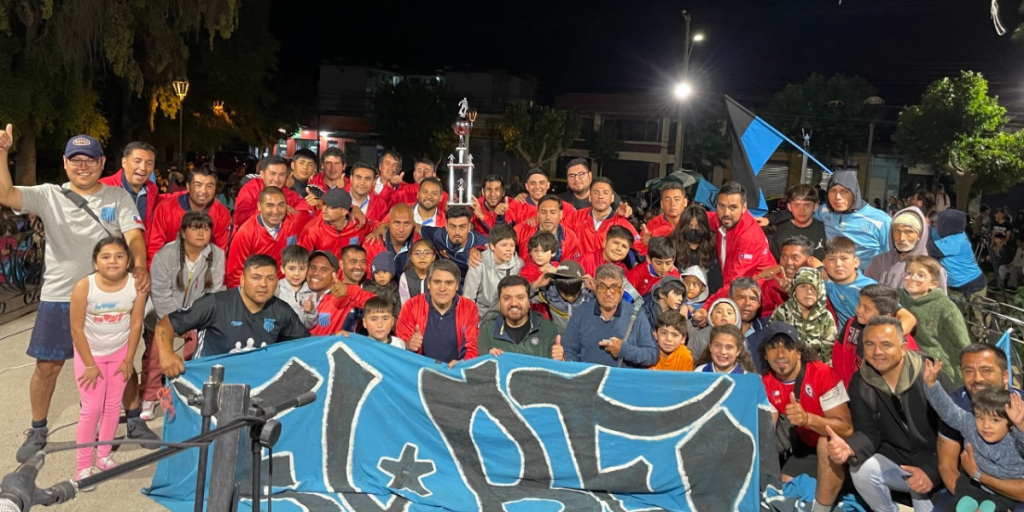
(83, 145)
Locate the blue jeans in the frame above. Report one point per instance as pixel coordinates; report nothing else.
(877, 477)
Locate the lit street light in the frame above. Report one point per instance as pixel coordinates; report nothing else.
(683, 90)
(698, 38)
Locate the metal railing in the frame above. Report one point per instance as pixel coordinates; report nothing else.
(21, 270)
(988, 318)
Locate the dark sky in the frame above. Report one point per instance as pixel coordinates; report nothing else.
(752, 47)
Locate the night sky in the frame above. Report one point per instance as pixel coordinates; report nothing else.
(752, 48)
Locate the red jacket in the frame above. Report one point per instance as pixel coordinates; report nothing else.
(569, 244)
(409, 193)
(319, 235)
(490, 218)
(590, 262)
(414, 313)
(167, 222)
(253, 238)
(643, 278)
(845, 360)
(333, 313)
(581, 222)
(746, 248)
(152, 196)
(317, 180)
(519, 212)
(248, 198)
(657, 226)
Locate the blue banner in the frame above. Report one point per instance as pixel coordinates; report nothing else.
(394, 431)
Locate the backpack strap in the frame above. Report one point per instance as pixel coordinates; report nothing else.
(80, 202)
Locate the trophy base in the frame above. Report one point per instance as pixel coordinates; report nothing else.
(457, 203)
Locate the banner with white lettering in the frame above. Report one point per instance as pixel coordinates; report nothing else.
(394, 431)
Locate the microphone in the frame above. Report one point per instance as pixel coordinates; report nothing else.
(17, 488)
(273, 410)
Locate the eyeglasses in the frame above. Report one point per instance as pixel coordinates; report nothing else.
(84, 162)
(605, 289)
(917, 276)
(578, 175)
(422, 254)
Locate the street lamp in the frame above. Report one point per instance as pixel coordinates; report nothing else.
(181, 89)
(872, 101)
(684, 89)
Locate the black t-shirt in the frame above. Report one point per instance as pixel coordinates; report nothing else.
(517, 333)
(226, 325)
(815, 233)
(1001, 229)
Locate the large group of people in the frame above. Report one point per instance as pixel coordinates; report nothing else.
(845, 313)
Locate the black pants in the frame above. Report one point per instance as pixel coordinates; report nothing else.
(967, 487)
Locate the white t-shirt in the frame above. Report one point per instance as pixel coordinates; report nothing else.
(71, 233)
(108, 317)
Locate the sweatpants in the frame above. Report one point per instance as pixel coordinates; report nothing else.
(100, 405)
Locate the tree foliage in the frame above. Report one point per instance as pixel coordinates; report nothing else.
(536, 133)
(707, 144)
(832, 108)
(415, 117)
(604, 145)
(958, 130)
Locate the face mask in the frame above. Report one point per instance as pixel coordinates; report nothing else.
(692, 235)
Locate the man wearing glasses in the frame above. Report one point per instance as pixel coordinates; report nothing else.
(599, 335)
(577, 173)
(70, 233)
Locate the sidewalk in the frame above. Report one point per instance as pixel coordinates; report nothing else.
(15, 416)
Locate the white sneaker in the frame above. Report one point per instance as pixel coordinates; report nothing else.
(148, 410)
(85, 473)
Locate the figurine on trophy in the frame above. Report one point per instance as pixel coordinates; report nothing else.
(460, 189)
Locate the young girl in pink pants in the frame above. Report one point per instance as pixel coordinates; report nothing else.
(106, 324)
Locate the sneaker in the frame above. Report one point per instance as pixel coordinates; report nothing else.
(148, 410)
(35, 440)
(106, 463)
(137, 429)
(85, 473)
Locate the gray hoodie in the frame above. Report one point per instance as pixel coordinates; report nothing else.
(697, 272)
(481, 285)
(889, 267)
(700, 338)
(164, 295)
(560, 309)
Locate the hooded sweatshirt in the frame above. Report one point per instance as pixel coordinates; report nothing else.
(941, 332)
(481, 283)
(699, 339)
(906, 434)
(953, 250)
(866, 225)
(818, 329)
(559, 308)
(888, 268)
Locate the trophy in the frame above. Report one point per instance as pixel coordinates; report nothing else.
(460, 189)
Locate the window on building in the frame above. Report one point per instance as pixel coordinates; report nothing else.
(636, 130)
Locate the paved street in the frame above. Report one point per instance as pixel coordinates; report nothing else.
(15, 371)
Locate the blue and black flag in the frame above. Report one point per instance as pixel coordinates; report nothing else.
(753, 143)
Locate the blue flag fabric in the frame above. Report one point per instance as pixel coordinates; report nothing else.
(391, 430)
(753, 143)
(1006, 345)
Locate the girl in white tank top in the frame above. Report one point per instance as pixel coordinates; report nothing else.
(106, 324)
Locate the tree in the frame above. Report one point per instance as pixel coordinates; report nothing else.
(958, 130)
(604, 145)
(54, 53)
(536, 133)
(708, 144)
(415, 117)
(833, 109)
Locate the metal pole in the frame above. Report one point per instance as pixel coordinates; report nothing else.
(871, 139)
(681, 122)
(181, 131)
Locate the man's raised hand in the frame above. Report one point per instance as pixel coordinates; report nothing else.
(838, 450)
(557, 352)
(7, 138)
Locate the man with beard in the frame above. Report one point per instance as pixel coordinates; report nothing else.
(592, 224)
(373, 206)
(200, 197)
(579, 177)
(232, 320)
(549, 220)
(408, 192)
(456, 239)
(335, 302)
(742, 246)
(273, 173)
(332, 229)
(137, 166)
(426, 212)
(491, 207)
(268, 232)
(982, 366)
(673, 202)
(517, 329)
(397, 238)
(537, 186)
(909, 233)
(440, 324)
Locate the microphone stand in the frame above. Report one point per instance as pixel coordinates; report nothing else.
(227, 464)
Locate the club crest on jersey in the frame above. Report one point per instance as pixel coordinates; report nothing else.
(292, 240)
(808, 390)
(268, 324)
(108, 213)
(323, 319)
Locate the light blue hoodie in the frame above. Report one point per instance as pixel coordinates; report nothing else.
(867, 226)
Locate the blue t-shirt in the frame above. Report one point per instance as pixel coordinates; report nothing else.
(844, 297)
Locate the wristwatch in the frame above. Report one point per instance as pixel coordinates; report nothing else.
(977, 476)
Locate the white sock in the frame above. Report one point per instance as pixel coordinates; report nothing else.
(818, 507)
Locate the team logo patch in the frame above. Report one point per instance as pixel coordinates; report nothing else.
(81, 141)
(268, 324)
(534, 341)
(108, 213)
(292, 240)
(353, 241)
(323, 319)
(808, 390)
(236, 323)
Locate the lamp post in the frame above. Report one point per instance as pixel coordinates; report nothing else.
(873, 101)
(181, 89)
(684, 89)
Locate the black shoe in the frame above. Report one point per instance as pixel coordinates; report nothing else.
(137, 429)
(35, 440)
